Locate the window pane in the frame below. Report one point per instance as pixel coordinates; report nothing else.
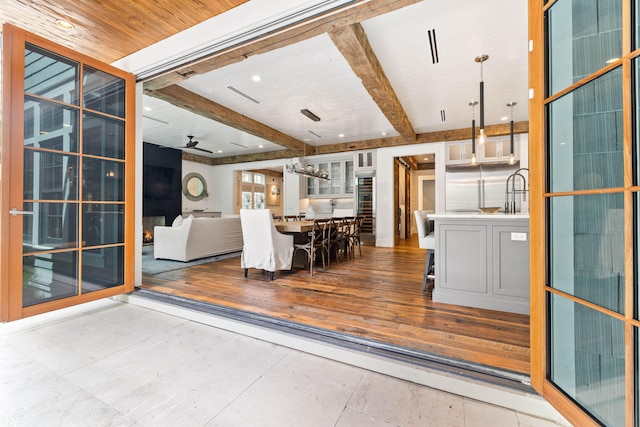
(49, 75)
(587, 359)
(48, 277)
(102, 268)
(53, 127)
(102, 224)
(50, 176)
(247, 201)
(52, 226)
(585, 136)
(586, 254)
(103, 180)
(258, 178)
(103, 92)
(259, 200)
(103, 136)
(247, 177)
(583, 36)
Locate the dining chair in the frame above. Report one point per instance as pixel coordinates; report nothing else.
(354, 235)
(264, 247)
(314, 244)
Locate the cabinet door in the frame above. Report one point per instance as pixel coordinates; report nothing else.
(335, 173)
(462, 258)
(348, 177)
(458, 153)
(312, 187)
(499, 149)
(511, 261)
(324, 188)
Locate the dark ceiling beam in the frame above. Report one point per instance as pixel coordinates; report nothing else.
(353, 13)
(228, 160)
(354, 45)
(440, 136)
(204, 107)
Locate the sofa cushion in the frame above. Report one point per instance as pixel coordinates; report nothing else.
(177, 222)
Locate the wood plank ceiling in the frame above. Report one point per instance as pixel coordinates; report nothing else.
(110, 30)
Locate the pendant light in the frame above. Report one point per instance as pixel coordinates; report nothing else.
(482, 138)
(474, 159)
(512, 156)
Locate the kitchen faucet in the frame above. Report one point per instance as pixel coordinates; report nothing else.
(510, 202)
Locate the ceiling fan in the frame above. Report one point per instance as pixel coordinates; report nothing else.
(192, 144)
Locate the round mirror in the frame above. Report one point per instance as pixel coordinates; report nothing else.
(194, 187)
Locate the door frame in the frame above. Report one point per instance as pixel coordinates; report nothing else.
(14, 40)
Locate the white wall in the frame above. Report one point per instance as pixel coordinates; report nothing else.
(207, 173)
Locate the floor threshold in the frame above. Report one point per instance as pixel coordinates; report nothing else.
(446, 365)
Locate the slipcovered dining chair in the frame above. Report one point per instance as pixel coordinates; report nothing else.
(264, 247)
(426, 240)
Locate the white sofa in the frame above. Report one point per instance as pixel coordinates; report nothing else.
(192, 238)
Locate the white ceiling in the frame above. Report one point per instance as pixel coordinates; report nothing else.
(312, 74)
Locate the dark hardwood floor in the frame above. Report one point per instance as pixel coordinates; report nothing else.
(376, 296)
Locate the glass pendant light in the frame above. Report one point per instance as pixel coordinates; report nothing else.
(482, 138)
(512, 156)
(474, 159)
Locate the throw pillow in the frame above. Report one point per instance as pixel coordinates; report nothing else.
(177, 222)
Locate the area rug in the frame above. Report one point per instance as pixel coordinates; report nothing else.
(150, 265)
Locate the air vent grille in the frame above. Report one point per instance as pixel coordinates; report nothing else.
(443, 115)
(313, 133)
(433, 45)
(238, 145)
(241, 93)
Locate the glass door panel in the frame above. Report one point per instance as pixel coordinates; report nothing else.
(69, 193)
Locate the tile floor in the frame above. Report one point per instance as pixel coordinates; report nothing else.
(109, 363)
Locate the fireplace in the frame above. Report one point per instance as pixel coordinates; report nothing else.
(148, 222)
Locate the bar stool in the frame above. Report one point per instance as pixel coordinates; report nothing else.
(427, 240)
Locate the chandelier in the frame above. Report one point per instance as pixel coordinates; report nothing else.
(307, 171)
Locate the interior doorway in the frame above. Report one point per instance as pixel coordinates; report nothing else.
(416, 190)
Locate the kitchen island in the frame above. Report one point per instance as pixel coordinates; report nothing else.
(482, 260)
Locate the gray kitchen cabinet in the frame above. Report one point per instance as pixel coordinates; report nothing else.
(483, 261)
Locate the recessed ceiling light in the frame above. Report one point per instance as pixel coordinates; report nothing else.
(260, 146)
(256, 78)
(66, 25)
(504, 118)
(219, 151)
(341, 135)
(426, 159)
(147, 108)
(383, 133)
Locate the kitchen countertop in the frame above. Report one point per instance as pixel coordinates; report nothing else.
(477, 215)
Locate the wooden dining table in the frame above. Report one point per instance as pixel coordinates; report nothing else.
(302, 226)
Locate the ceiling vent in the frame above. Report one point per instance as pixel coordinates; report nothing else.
(443, 116)
(237, 145)
(313, 133)
(241, 93)
(433, 44)
(310, 115)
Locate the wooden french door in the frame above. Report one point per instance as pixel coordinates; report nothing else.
(585, 208)
(66, 177)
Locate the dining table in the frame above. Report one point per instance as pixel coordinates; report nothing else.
(301, 226)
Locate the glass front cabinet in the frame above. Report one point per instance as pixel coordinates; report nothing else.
(340, 182)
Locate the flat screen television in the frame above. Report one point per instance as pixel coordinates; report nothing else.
(161, 183)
